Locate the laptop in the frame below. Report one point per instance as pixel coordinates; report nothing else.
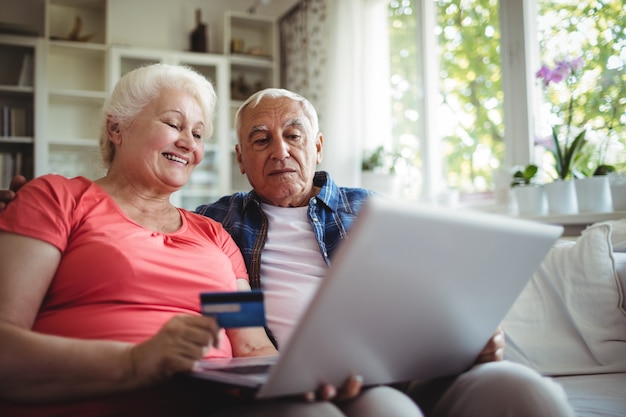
(414, 292)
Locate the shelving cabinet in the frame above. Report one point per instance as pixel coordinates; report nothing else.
(19, 104)
(54, 85)
(76, 86)
(251, 44)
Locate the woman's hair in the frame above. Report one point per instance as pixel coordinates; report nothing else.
(139, 87)
(256, 98)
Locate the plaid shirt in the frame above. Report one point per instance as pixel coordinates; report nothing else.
(331, 214)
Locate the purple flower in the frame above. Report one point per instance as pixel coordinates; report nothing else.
(561, 71)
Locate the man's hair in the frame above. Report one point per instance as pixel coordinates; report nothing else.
(256, 98)
(140, 86)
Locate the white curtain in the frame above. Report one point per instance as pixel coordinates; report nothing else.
(344, 71)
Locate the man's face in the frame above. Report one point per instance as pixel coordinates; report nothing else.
(279, 152)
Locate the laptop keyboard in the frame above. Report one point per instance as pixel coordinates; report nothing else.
(247, 369)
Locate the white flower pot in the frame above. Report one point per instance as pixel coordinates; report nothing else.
(594, 194)
(617, 181)
(531, 200)
(382, 183)
(561, 195)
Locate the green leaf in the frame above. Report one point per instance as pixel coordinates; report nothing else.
(571, 153)
(558, 155)
(604, 169)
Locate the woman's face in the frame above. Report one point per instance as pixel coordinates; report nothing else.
(164, 143)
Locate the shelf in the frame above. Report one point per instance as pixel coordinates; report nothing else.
(16, 139)
(15, 89)
(577, 219)
(78, 94)
(19, 57)
(252, 61)
(74, 142)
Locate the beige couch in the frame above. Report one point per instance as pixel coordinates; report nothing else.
(570, 320)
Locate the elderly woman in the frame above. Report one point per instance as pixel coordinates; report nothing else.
(99, 280)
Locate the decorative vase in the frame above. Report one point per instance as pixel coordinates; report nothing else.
(594, 194)
(561, 195)
(198, 38)
(617, 181)
(531, 200)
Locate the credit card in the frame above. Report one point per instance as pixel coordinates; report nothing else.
(234, 309)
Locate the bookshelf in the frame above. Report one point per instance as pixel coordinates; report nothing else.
(18, 101)
(52, 92)
(251, 44)
(75, 88)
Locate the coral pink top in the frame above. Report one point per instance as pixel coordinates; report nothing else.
(118, 280)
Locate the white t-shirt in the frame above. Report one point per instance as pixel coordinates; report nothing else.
(291, 268)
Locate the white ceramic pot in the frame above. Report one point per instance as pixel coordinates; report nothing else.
(531, 200)
(617, 181)
(561, 197)
(382, 183)
(594, 194)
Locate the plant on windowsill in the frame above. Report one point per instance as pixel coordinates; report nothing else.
(379, 160)
(566, 141)
(378, 169)
(529, 196)
(524, 176)
(564, 148)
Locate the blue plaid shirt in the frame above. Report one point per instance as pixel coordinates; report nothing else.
(331, 214)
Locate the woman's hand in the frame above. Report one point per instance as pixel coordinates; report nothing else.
(181, 342)
(494, 349)
(350, 389)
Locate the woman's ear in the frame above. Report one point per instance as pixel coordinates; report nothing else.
(113, 130)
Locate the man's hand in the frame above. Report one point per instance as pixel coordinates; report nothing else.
(350, 389)
(494, 349)
(7, 195)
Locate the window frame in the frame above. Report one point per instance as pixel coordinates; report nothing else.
(519, 50)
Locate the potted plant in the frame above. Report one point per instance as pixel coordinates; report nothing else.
(530, 197)
(524, 176)
(378, 169)
(566, 142)
(593, 190)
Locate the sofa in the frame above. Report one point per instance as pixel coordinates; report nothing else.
(569, 322)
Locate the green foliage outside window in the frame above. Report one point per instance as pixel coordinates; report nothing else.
(471, 96)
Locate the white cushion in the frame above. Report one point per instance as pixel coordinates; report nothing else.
(569, 319)
(618, 234)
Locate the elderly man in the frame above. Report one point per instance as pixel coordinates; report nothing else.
(293, 220)
(291, 223)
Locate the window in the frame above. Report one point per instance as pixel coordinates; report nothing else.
(594, 30)
(449, 108)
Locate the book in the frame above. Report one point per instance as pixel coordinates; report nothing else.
(17, 121)
(5, 121)
(26, 72)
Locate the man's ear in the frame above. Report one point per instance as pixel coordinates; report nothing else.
(238, 153)
(319, 145)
